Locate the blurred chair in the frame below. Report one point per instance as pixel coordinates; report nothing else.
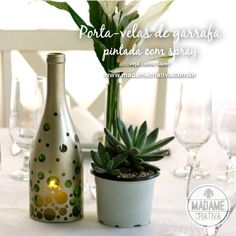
(30, 42)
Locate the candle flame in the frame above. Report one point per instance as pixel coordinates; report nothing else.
(53, 184)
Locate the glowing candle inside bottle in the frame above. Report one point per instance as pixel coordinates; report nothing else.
(52, 184)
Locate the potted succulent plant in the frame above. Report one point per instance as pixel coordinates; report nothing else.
(124, 178)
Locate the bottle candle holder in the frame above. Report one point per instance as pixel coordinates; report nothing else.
(56, 169)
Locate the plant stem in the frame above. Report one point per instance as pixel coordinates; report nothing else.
(113, 105)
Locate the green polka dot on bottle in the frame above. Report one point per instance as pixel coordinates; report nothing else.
(77, 191)
(76, 210)
(68, 183)
(41, 175)
(63, 148)
(49, 214)
(41, 157)
(72, 201)
(46, 127)
(36, 188)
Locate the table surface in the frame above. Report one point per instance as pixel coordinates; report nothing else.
(169, 202)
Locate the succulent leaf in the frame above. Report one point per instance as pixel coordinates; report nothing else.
(126, 137)
(131, 132)
(132, 153)
(161, 152)
(98, 169)
(151, 157)
(156, 153)
(141, 140)
(110, 164)
(119, 159)
(152, 137)
(124, 133)
(157, 145)
(143, 129)
(106, 158)
(96, 158)
(120, 148)
(120, 124)
(135, 134)
(101, 149)
(112, 140)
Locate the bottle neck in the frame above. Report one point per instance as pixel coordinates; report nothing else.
(56, 83)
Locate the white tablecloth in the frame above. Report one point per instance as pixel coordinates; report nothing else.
(168, 215)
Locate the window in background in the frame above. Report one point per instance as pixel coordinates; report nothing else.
(85, 80)
(215, 63)
(84, 74)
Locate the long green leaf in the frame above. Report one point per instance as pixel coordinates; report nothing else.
(77, 19)
(157, 145)
(113, 141)
(109, 165)
(119, 159)
(141, 140)
(98, 169)
(127, 19)
(135, 135)
(98, 18)
(120, 149)
(106, 158)
(157, 153)
(110, 145)
(151, 158)
(161, 152)
(152, 137)
(96, 158)
(120, 125)
(111, 138)
(131, 131)
(99, 46)
(126, 137)
(142, 129)
(142, 135)
(124, 133)
(99, 50)
(66, 7)
(101, 149)
(96, 14)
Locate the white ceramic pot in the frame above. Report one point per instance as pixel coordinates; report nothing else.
(124, 203)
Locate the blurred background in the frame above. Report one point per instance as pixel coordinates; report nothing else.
(84, 75)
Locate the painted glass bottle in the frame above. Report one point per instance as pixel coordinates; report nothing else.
(56, 169)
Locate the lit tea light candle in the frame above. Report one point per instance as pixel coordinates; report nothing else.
(53, 182)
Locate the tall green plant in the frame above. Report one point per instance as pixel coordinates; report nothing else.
(117, 17)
